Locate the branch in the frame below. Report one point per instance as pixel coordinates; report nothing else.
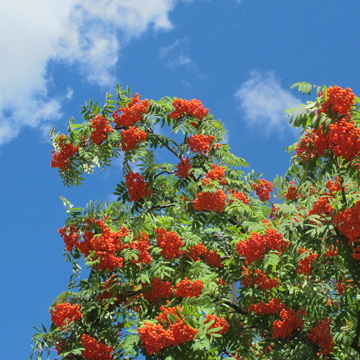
(236, 308)
(164, 172)
(151, 131)
(235, 222)
(158, 207)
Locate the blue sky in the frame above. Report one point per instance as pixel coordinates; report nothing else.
(238, 57)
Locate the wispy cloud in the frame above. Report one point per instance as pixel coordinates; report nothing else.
(177, 54)
(85, 33)
(263, 101)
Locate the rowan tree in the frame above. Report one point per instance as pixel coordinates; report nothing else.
(199, 260)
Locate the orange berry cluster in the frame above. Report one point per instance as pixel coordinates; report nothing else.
(107, 292)
(61, 159)
(333, 188)
(136, 186)
(170, 244)
(213, 259)
(156, 337)
(190, 108)
(320, 335)
(342, 139)
(131, 113)
(254, 247)
(142, 244)
(260, 279)
(95, 350)
(195, 251)
(105, 246)
(348, 222)
(273, 307)
(238, 195)
(290, 321)
(65, 311)
(200, 143)
(263, 189)
(339, 99)
(185, 288)
(303, 150)
(101, 127)
(70, 240)
(275, 241)
(131, 137)
(216, 173)
(159, 290)
(183, 168)
(305, 264)
(340, 287)
(218, 322)
(322, 208)
(331, 252)
(292, 192)
(210, 201)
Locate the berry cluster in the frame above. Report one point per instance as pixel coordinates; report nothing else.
(263, 189)
(348, 222)
(339, 99)
(95, 350)
(131, 113)
(342, 139)
(131, 137)
(185, 288)
(159, 290)
(107, 292)
(105, 245)
(70, 240)
(136, 186)
(218, 322)
(333, 188)
(254, 247)
(190, 108)
(292, 192)
(273, 307)
(321, 208)
(320, 335)
(65, 311)
(156, 337)
(290, 321)
(210, 201)
(260, 279)
(216, 173)
(183, 168)
(195, 251)
(213, 259)
(305, 264)
(67, 150)
(200, 143)
(101, 127)
(238, 195)
(170, 244)
(331, 252)
(142, 245)
(340, 287)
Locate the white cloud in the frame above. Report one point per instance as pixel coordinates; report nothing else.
(87, 33)
(176, 55)
(263, 101)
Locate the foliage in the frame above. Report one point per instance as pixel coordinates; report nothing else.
(198, 260)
